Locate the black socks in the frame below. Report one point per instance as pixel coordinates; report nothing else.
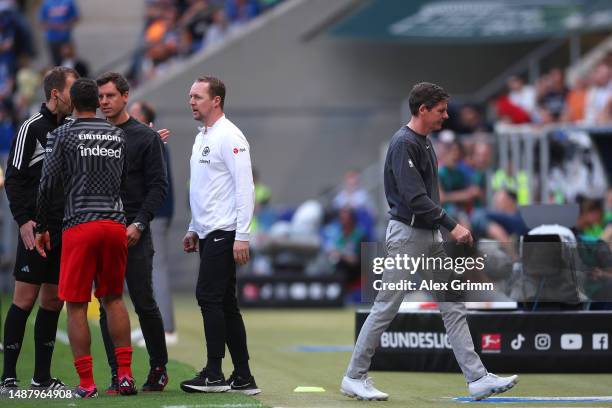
(45, 330)
(14, 329)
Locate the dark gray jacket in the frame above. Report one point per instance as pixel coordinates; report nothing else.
(411, 182)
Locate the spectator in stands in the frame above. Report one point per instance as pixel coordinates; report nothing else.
(262, 191)
(196, 20)
(218, 28)
(456, 193)
(342, 245)
(7, 40)
(608, 212)
(502, 222)
(607, 234)
(71, 60)
(178, 28)
(508, 112)
(599, 94)
(163, 39)
(352, 195)
(512, 180)
(241, 11)
(470, 121)
(575, 102)
(58, 18)
(480, 163)
(594, 252)
(23, 32)
(544, 116)
(263, 216)
(521, 95)
(605, 116)
(551, 92)
(591, 219)
(27, 84)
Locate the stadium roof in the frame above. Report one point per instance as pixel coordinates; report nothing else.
(451, 21)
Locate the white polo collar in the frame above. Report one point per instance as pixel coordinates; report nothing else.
(204, 129)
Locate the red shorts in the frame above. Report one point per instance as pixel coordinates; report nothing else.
(92, 251)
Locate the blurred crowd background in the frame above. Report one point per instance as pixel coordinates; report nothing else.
(536, 139)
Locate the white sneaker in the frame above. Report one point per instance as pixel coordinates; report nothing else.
(362, 389)
(490, 385)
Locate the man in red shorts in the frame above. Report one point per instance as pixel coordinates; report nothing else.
(87, 157)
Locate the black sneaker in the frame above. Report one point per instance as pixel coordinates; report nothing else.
(156, 380)
(127, 386)
(113, 388)
(242, 385)
(50, 384)
(205, 381)
(82, 393)
(7, 385)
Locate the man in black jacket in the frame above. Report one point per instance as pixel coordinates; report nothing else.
(146, 189)
(35, 275)
(411, 187)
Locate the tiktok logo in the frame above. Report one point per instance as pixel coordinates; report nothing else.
(517, 343)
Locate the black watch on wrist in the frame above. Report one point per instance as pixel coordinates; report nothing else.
(139, 226)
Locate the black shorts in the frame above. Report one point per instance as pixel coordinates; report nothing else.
(30, 267)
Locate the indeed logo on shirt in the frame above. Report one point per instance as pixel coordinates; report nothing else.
(98, 151)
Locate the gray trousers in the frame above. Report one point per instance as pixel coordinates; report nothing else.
(403, 239)
(161, 282)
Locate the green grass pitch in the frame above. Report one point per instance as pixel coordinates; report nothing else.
(278, 368)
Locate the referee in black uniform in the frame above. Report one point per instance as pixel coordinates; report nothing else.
(146, 189)
(35, 275)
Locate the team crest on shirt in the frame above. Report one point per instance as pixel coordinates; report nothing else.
(205, 151)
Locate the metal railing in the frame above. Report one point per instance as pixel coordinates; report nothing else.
(517, 145)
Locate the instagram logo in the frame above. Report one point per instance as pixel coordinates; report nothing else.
(542, 341)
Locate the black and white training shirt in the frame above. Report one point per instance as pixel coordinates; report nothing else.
(87, 157)
(24, 168)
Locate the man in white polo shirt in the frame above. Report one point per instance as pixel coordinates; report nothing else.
(221, 196)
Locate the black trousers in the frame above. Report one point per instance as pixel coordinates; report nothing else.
(138, 276)
(216, 295)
